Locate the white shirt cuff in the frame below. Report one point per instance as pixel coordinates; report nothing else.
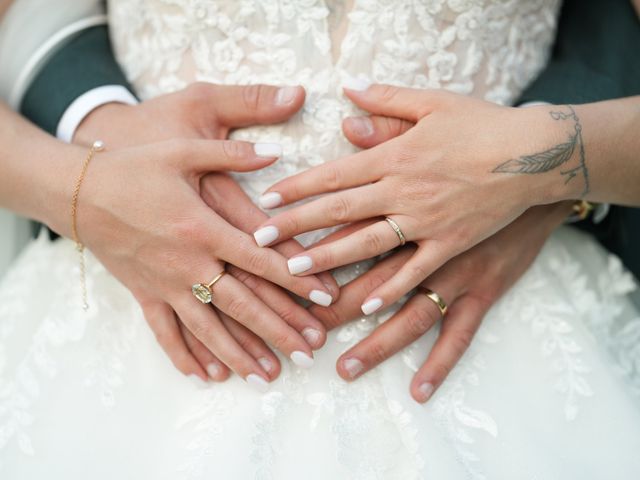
(88, 102)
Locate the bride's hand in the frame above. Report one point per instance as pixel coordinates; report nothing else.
(211, 111)
(456, 177)
(141, 213)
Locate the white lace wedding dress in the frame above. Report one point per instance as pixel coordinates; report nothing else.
(548, 390)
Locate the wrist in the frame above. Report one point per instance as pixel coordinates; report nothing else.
(94, 125)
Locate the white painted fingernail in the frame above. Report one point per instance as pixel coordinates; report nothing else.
(286, 95)
(266, 235)
(257, 382)
(312, 336)
(301, 359)
(197, 381)
(266, 364)
(359, 84)
(213, 369)
(353, 366)
(362, 126)
(299, 264)
(270, 200)
(320, 298)
(426, 390)
(267, 149)
(371, 306)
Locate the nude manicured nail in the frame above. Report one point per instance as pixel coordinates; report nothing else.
(214, 370)
(426, 390)
(270, 200)
(267, 149)
(298, 265)
(266, 364)
(257, 383)
(266, 235)
(312, 336)
(320, 298)
(301, 359)
(353, 366)
(361, 126)
(371, 306)
(358, 84)
(286, 95)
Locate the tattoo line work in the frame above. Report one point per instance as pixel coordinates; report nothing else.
(554, 157)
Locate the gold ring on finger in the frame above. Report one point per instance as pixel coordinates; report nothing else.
(396, 228)
(435, 298)
(203, 291)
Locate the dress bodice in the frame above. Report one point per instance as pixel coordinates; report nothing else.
(486, 48)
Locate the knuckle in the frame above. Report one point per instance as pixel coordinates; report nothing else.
(419, 321)
(259, 262)
(440, 371)
(372, 243)
(338, 209)
(233, 150)
(419, 272)
(323, 258)
(245, 277)
(290, 222)
(288, 314)
(377, 353)
(461, 340)
(280, 339)
(237, 307)
(246, 342)
(197, 91)
(328, 316)
(387, 92)
(331, 177)
(201, 331)
(252, 96)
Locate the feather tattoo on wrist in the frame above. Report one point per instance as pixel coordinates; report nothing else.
(556, 156)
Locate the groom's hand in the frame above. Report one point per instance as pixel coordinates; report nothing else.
(211, 111)
(470, 284)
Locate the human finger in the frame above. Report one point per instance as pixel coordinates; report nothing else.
(217, 371)
(335, 209)
(369, 131)
(458, 329)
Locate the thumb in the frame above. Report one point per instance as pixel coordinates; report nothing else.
(244, 105)
(407, 103)
(367, 132)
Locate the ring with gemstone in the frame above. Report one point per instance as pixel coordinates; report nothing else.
(203, 291)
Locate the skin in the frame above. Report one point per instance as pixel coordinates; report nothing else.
(211, 111)
(470, 283)
(152, 245)
(445, 180)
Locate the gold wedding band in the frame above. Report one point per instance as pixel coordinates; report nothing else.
(435, 298)
(396, 228)
(203, 291)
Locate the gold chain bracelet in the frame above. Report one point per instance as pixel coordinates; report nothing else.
(97, 146)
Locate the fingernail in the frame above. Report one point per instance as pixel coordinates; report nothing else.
(299, 264)
(320, 298)
(358, 84)
(266, 235)
(267, 149)
(197, 381)
(361, 126)
(426, 390)
(312, 336)
(266, 364)
(257, 382)
(270, 200)
(353, 366)
(301, 359)
(371, 306)
(213, 369)
(286, 95)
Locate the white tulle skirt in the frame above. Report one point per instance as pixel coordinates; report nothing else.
(549, 389)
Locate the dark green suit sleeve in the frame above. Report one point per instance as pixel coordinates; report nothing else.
(597, 57)
(85, 62)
